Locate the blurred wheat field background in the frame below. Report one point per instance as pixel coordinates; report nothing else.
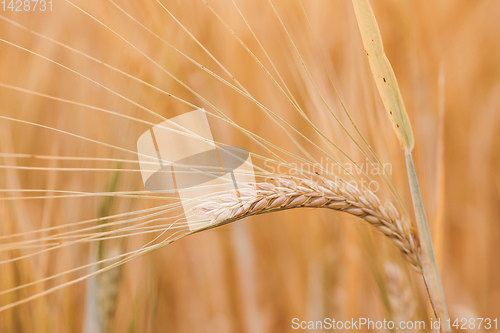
(58, 70)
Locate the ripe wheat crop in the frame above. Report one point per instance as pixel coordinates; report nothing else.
(309, 90)
(291, 193)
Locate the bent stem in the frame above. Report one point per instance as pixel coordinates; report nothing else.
(388, 88)
(429, 267)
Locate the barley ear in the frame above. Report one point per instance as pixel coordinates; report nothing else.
(384, 76)
(403, 306)
(102, 290)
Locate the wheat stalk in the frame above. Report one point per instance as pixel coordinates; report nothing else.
(282, 193)
(387, 86)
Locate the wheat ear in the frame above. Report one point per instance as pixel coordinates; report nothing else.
(286, 193)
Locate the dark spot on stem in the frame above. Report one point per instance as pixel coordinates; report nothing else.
(390, 112)
(384, 80)
(397, 125)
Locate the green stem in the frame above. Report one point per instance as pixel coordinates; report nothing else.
(429, 266)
